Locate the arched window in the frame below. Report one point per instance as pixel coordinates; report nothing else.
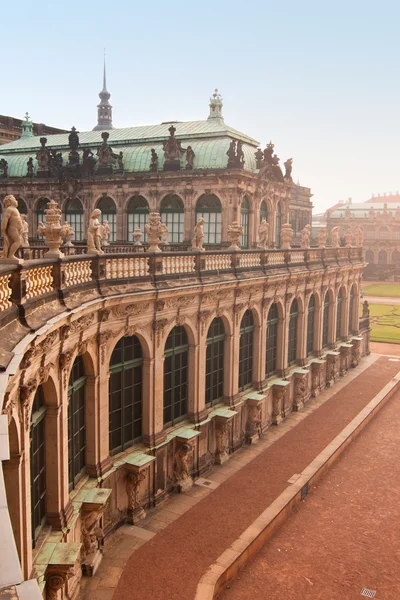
(109, 213)
(396, 258)
(292, 345)
(244, 222)
(384, 233)
(396, 233)
(382, 257)
(76, 422)
(215, 362)
(38, 464)
(369, 233)
(246, 350)
(369, 256)
(138, 216)
(125, 394)
(208, 207)
(176, 376)
(172, 214)
(278, 225)
(325, 322)
(22, 206)
(40, 215)
(351, 308)
(263, 211)
(272, 340)
(73, 213)
(339, 307)
(310, 325)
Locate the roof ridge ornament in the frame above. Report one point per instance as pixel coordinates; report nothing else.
(216, 106)
(104, 108)
(27, 127)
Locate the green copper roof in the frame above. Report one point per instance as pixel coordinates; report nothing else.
(210, 150)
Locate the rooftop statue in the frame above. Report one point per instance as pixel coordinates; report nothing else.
(235, 155)
(306, 236)
(335, 237)
(189, 157)
(73, 141)
(263, 230)
(88, 162)
(259, 155)
(11, 229)
(240, 153)
(154, 161)
(348, 236)
(365, 312)
(172, 151)
(322, 236)
(231, 154)
(106, 155)
(276, 170)
(4, 167)
(29, 165)
(95, 233)
(43, 157)
(120, 161)
(288, 169)
(359, 235)
(198, 235)
(268, 152)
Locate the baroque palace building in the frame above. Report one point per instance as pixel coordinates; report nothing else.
(126, 375)
(379, 219)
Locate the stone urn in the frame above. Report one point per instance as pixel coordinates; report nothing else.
(322, 237)
(137, 235)
(348, 236)
(154, 230)
(235, 231)
(286, 236)
(52, 230)
(70, 233)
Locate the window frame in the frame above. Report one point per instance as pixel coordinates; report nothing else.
(215, 353)
(172, 359)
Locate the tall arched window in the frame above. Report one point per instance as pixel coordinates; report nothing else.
(176, 376)
(138, 216)
(40, 215)
(76, 422)
(396, 257)
(38, 464)
(215, 362)
(351, 308)
(109, 213)
(278, 221)
(244, 222)
(384, 233)
(272, 340)
(73, 213)
(369, 233)
(325, 322)
(310, 325)
(292, 345)
(246, 350)
(172, 214)
(208, 207)
(125, 394)
(22, 206)
(396, 233)
(382, 257)
(339, 308)
(263, 211)
(369, 256)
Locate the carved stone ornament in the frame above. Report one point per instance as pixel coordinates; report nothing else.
(254, 420)
(301, 391)
(181, 467)
(158, 328)
(52, 230)
(277, 403)
(355, 353)
(286, 236)
(203, 316)
(102, 339)
(322, 236)
(221, 442)
(235, 231)
(132, 310)
(133, 481)
(331, 370)
(55, 582)
(316, 369)
(92, 533)
(154, 229)
(81, 324)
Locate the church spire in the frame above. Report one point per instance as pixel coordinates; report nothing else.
(104, 108)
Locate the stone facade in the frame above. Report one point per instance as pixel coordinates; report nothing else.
(78, 309)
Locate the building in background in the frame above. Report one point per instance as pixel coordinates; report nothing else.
(12, 129)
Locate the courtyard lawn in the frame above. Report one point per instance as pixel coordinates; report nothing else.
(385, 323)
(388, 290)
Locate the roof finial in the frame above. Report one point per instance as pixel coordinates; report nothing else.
(27, 127)
(104, 108)
(216, 106)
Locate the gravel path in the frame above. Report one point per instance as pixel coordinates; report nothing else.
(169, 566)
(346, 535)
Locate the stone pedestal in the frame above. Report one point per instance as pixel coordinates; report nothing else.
(172, 165)
(317, 366)
(301, 389)
(92, 509)
(345, 350)
(137, 469)
(62, 565)
(332, 362)
(355, 351)
(254, 417)
(278, 395)
(222, 418)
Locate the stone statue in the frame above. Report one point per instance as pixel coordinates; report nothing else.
(105, 153)
(365, 312)
(4, 167)
(306, 236)
(29, 165)
(107, 231)
(52, 230)
(95, 233)
(164, 234)
(288, 169)
(73, 141)
(24, 232)
(231, 153)
(11, 229)
(276, 170)
(268, 152)
(172, 152)
(137, 234)
(335, 237)
(68, 234)
(286, 236)
(322, 236)
(88, 162)
(189, 157)
(240, 153)
(198, 235)
(259, 155)
(263, 230)
(181, 467)
(154, 160)
(371, 213)
(91, 533)
(359, 235)
(120, 161)
(348, 236)
(235, 231)
(154, 229)
(43, 156)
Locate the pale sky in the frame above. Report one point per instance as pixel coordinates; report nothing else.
(320, 79)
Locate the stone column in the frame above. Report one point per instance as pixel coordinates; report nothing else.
(318, 325)
(332, 324)
(281, 350)
(302, 324)
(16, 504)
(98, 460)
(233, 364)
(193, 383)
(228, 366)
(148, 399)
